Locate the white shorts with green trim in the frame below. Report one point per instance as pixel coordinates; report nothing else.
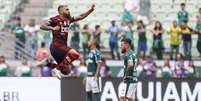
(92, 85)
(127, 90)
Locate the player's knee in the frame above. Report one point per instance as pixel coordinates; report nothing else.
(74, 55)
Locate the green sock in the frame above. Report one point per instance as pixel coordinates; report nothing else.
(89, 97)
(98, 98)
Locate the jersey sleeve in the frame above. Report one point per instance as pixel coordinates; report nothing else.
(53, 22)
(98, 57)
(132, 58)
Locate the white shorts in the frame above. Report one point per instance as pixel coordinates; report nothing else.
(127, 90)
(92, 85)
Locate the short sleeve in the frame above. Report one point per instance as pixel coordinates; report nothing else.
(132, 58)
(98, 57)
(53, 22)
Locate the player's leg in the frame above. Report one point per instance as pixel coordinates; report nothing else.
(89, 96)
(131, 100)
(97, 96)
(122, 99)
(65, 65)
(130, 91)
(58, 56)
(88, 88)
(96, 89)
(122, 91)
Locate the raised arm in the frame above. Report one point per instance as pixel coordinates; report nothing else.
(85, 14)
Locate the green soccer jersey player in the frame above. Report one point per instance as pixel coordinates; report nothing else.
(128, 86)
(93, 70)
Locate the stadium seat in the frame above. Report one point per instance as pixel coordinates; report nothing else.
(110, 8)
(178, 2)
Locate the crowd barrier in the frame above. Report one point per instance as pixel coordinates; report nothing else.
(148, 89)
(73, 89)
(29, 89)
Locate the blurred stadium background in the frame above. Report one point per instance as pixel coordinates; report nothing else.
(23, 45)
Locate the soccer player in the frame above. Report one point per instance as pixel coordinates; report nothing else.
(128, 86)
(59, 25)
(94, 63)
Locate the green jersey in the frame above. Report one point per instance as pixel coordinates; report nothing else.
(93, 58)
(130, 74)
(182, 16)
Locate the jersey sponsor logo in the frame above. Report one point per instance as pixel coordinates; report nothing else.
(64, 30)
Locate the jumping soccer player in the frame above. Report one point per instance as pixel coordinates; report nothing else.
(91, 81)
(59, 25)
(128, 86)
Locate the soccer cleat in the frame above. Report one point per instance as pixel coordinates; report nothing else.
(57, 73)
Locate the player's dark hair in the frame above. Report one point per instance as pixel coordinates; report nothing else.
(199, 8)
(128, 41)
(60, 6)
(182, 4)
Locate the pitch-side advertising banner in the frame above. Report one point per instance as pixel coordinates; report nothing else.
(30, 89)
(160, 89)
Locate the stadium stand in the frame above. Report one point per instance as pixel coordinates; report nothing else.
(106, 10)
(7, 7)
(35, 9)
(166, 11)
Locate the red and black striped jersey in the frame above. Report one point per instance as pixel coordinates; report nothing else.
(60, 36)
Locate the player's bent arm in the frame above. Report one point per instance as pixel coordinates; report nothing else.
(85, 14)
(46, 26)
